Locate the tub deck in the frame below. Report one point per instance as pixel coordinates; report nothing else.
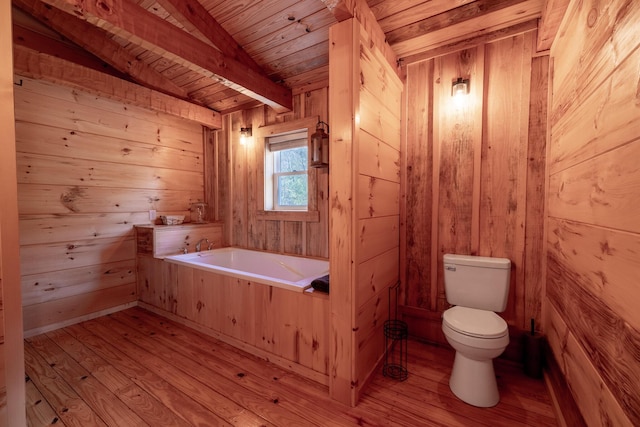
(281, 271)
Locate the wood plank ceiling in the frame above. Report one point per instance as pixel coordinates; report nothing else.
(233, 54)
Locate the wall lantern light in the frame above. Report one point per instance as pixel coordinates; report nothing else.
(320, 146)
(245, 135)
(460, 87)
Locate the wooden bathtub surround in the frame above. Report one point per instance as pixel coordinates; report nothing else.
(165, 240)
(285, 327)
(364, 205)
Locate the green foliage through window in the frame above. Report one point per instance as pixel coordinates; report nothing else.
(287, 172)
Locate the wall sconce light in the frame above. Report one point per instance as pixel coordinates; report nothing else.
(320, 146)
(460, 87)
(245, 135)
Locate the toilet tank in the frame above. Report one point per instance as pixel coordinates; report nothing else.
(477, 282)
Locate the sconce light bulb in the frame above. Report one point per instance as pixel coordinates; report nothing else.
(460, 87)
(245, 135)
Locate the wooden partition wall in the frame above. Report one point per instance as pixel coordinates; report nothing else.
(365, 94)
(593, 289)
(12, 384)
(89, 168)
(474, 180)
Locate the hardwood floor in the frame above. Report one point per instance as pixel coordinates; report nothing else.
(134, 368)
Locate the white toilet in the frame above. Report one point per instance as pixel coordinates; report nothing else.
(477, 287)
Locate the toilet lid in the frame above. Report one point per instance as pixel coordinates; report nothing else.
(476, 323)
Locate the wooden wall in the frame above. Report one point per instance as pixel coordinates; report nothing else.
(364, 204)
(475, 175)
(88, 169)
(593, 289)
(239, 182)
(12, 384)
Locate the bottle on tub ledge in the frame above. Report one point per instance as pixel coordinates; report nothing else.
(198, 213)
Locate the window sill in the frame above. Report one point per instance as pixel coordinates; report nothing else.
(306, 216)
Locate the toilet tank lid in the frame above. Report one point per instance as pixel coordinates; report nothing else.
(477, 261)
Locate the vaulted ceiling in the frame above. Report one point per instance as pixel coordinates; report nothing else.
(232, 54)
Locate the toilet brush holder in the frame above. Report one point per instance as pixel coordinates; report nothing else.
(533, 353)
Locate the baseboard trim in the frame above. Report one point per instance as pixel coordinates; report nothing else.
(566, 408)
(48, 328)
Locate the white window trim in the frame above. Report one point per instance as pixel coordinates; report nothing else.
(286, 140)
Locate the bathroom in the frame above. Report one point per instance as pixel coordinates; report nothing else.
(480, 177)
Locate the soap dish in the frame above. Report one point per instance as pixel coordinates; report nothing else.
(172, 219)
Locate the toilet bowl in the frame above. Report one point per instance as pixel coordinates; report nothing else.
(477, 336)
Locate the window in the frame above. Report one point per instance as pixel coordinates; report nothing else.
(286, 172)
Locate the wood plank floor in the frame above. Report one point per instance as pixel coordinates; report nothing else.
(134, 368)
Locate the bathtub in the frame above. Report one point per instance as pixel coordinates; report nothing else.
(282, 271)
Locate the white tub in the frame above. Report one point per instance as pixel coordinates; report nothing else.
(282, 271)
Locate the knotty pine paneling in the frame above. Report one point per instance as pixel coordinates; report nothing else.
(377, 194)
(375, 274)
(52, 285)
(44, 169)
(12, 374)
(365, 209)
(45, 199)
(53, 141)
(89, 168)
(378, 159)
(291, 233)
(534, 279)
(595, 116)
(289, 328)
(103, 117)
(456, 144)
(473, 170)
(590, 392)
(41, 229)
(594, 188)
(343, 54)
(418, 187)
(601, 190)
(503, 174)
(383, 197)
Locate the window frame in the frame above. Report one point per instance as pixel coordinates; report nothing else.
(311, 214)
(273, 158)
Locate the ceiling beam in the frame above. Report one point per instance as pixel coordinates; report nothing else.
(552, 13)
(471, 20)
(31, 38)
(443, 21)
(135, 24)
(347, 9)
(97, 42)
(30, 63)
(191, 13)
(472, 42)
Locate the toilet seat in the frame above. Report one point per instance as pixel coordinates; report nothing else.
(475, 323)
